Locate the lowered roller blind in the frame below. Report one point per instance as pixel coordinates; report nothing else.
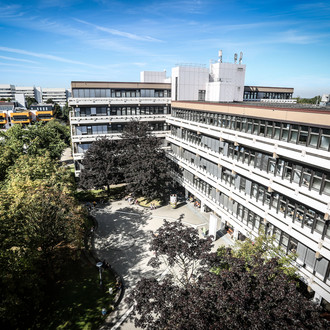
(225, 150)
(321, 267)
(301, 252)
(310, 258)
(248, 185)
(237, 181)
(221, 199)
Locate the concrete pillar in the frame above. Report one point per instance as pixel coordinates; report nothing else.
(213, 226)
(186, 193)
(202, 206)
(235, 236)
(317, 298)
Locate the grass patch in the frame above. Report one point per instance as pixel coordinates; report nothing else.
(100, 195)
(144, 202)
(76, 299)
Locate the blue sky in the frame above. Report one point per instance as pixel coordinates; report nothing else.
(50, 43)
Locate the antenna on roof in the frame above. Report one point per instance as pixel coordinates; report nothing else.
(235, 58)
(220, 56)
(240, 57)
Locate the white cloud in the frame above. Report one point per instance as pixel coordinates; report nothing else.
(45, 56)
(17, 59)
(118, 33)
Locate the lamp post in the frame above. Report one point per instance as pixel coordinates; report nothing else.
(99, 266)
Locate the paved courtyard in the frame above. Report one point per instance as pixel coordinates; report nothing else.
(122, 239)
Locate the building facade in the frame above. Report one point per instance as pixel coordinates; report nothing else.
(269, 94)
(57, 95)
(102, 109)
(11, 114)
(258, 168)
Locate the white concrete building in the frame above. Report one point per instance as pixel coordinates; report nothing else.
(222, 82)
(258, 167)
(102, 109)
(7, 91)
(58, 95)
(252, 166)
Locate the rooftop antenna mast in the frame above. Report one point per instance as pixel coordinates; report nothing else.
(240, 57)
(220, 56)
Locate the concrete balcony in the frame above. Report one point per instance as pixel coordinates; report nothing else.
(112, 136)
(119, 101)
(116, 119)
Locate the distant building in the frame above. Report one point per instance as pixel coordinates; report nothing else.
(269, 94)
(57, 95)
(7, 91)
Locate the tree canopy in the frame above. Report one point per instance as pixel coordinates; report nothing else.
(38, 218)
(101, 165)
(147, 170)
(228, 292)
(35, 140)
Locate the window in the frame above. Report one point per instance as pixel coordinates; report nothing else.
(294, 134)
(325, 139)
(303, 135)
(285, 132)
(317, 181)
(314, 137)
(269, 130)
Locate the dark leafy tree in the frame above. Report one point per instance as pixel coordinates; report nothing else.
(181, 249)
(226, 292)
(148, 172)
(101, 165)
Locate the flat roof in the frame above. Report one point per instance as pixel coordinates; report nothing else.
(297, 114)
(114, 84)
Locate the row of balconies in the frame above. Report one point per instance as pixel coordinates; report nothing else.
(316, 284)
(301, 194)
(115, 119)
(120, 100)
(115, 136)
(316, 157)
(277, 219)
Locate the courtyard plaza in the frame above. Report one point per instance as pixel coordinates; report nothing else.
(122, 239)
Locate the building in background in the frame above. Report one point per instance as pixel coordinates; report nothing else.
(42, 95)
(11, 113)
(102, 109)
(222, 82)
(7, 92)
(269, 94)
(57, 95)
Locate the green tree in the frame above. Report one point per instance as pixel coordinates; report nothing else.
(265, 246)
(101, 165)
(66, 112)
(31, 171)
(34, 222)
